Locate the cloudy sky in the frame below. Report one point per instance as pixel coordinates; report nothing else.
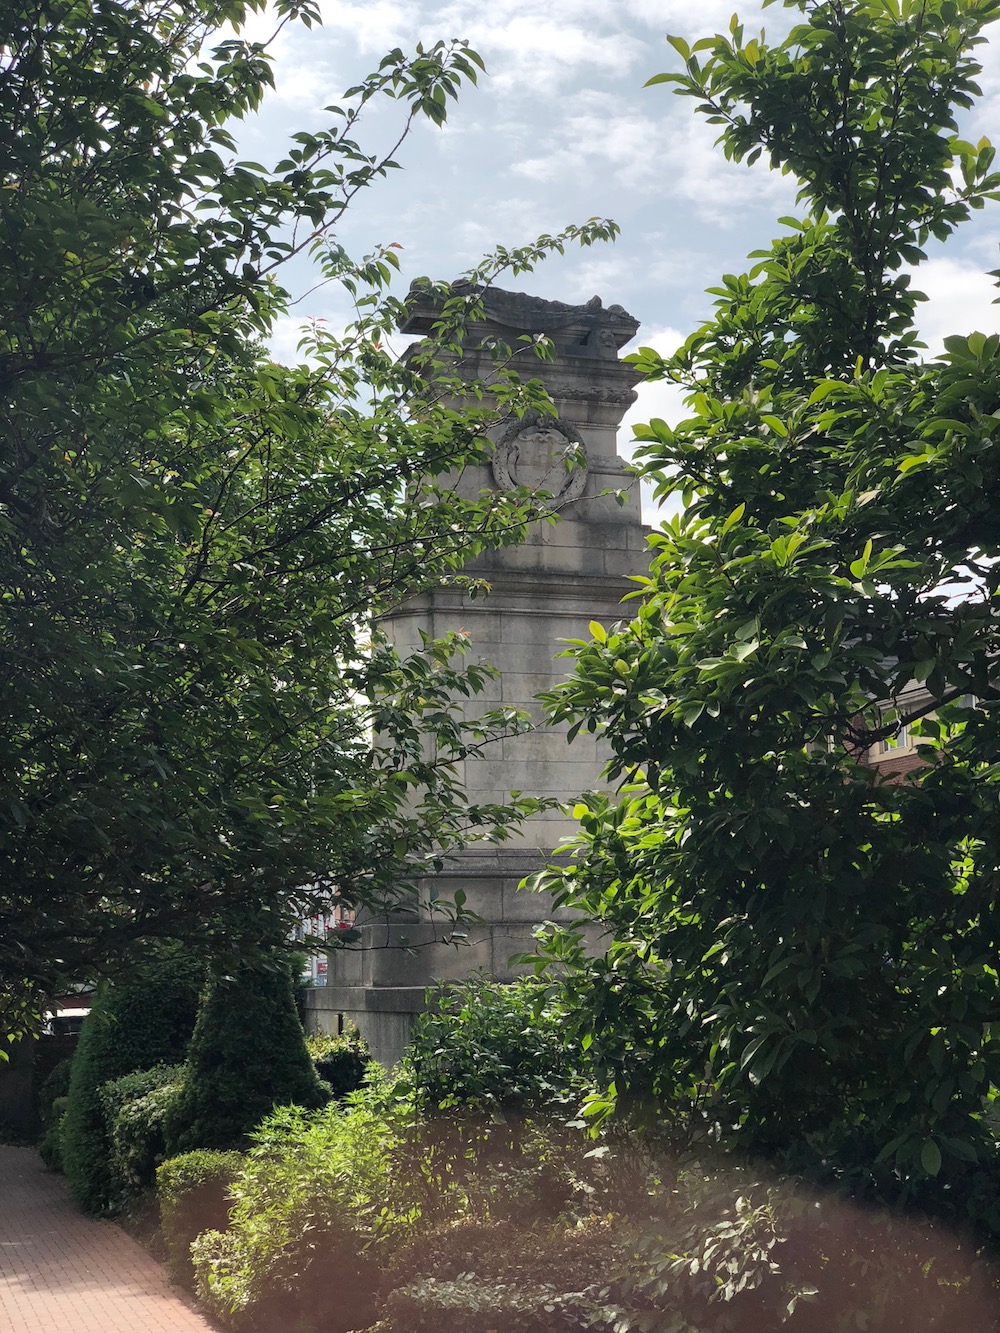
(561, 129)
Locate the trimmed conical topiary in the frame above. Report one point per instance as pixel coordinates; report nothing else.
(247, 1056)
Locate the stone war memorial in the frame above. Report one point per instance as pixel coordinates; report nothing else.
(541, 593)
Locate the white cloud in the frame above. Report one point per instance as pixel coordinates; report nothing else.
(542, 56)
(598, 137)
(375, 25)
(694, 169)
(679, 15)
(284, 340)
(657, 399)
(960, 300)
(533, 48)
(705, 17)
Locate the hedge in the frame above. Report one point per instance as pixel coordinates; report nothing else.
(134, 1025)
(193, 1191)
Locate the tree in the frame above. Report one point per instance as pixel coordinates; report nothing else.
(802, 957)
(194, 538)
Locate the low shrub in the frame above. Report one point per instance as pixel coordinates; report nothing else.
(50, 1144)
(570, 1254)
(317, 1197)
(54, 1087)
(729, 1249)
(497, 1169)
(720, 1251)
(247, 1056)
(136, 1108)
(52, 1102)
(486, 1045)
(342, 1060)
(193, 1192)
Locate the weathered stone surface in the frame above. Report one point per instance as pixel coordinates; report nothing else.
(590, 330)
(543, 592)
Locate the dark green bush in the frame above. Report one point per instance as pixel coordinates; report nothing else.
(135, 1108)
(489, 1045)
(52, 1103)
(193, 1191)
(55, 1086)
(247, 1056)
(50, 1144)
(342, 1060)
(140, 1022)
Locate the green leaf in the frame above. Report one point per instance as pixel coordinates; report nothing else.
(930, 1158)
(860, 566)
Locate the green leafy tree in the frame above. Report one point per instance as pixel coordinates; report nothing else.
(193, 538)
(803, 955)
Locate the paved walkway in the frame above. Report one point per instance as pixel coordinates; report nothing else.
(59, 1270)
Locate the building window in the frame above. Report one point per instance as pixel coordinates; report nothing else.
(900, 741)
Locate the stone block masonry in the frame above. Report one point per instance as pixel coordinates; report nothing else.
(542, 592)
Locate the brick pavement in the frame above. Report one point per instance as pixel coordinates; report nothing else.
(60, 1270)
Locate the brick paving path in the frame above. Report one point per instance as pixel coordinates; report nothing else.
(59, 1270)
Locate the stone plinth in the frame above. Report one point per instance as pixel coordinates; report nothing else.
(542, 592)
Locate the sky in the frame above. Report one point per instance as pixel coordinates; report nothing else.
(559, 130)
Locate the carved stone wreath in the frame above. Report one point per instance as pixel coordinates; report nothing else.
(533, 434)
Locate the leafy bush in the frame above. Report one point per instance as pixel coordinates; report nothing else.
(499, 1170)
(445, 1223)
(144, 1021)
(489, 1045)
(135, 1109)
(318, 1193)
(55, 1086)
(342, 1061)
(570, 1252)
(727, 1249)
(50, 1144)
(193, 1191)
(469, 1277)
(247, 1056)
(52, 1103)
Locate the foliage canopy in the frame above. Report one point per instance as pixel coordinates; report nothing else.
(803, 956)
(193, 537)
